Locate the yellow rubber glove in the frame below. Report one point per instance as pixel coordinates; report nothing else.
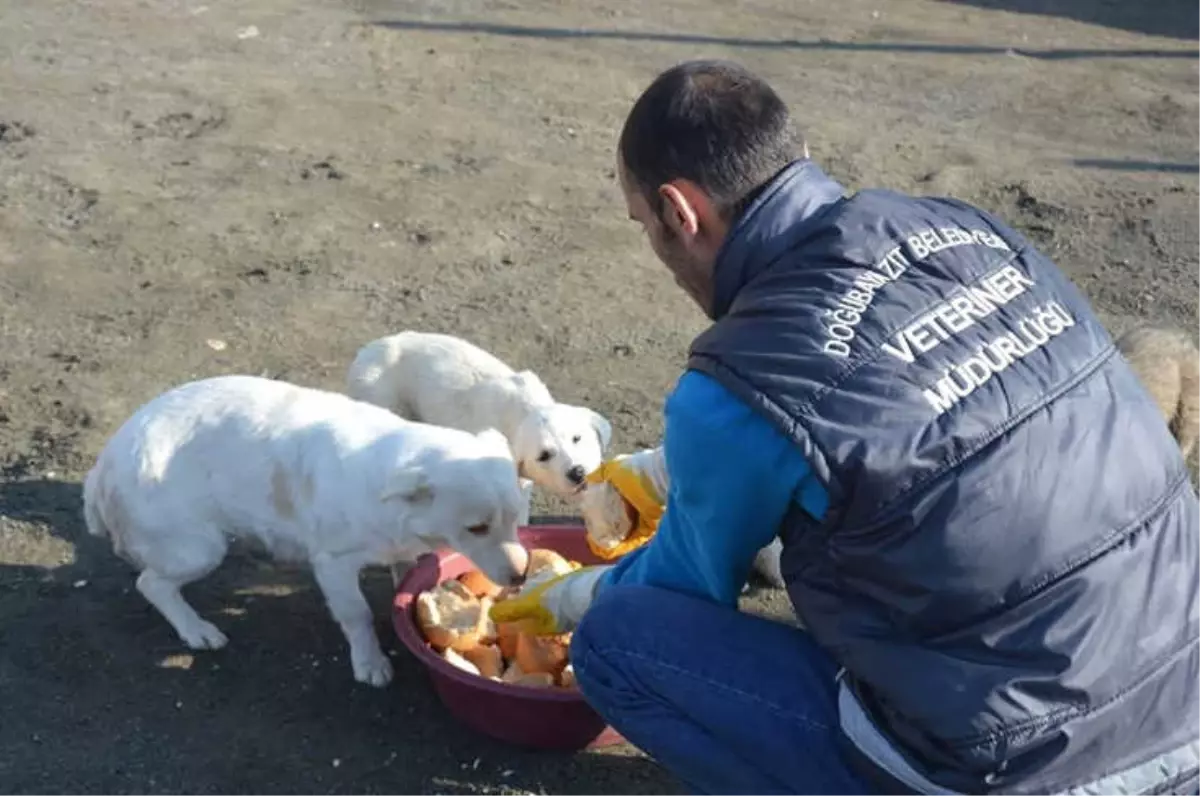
(550, 604)
(641, 480)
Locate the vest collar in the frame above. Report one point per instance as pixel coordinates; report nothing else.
(772, 223)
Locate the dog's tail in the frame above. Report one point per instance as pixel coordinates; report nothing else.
(373, 377)
(366, 376)
(91, 512)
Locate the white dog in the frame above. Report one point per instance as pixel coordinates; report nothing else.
(314, 476)
(440, 379)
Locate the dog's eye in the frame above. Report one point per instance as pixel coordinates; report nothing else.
(478, 530)
(577, 438)
(544, 456)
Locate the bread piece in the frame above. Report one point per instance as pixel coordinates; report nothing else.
(486, 658)
(451, 617)
(479, 584)
(506, 638)
(606, 515)
(454, 659)
(546, 654)
(541, 559)
(489, 632)
(512, 674)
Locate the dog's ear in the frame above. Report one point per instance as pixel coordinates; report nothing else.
(603, 428)
(522, 447)
(409, 483)
(494, 441)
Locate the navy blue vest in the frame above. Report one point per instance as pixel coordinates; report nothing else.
(1008, 568)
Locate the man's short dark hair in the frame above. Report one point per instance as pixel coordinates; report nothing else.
(714, 123)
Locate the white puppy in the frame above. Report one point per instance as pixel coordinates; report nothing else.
(440, 379)
(312, 475)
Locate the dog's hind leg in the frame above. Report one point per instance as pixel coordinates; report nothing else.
(167, 571)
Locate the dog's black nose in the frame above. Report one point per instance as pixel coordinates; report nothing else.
(576, 474)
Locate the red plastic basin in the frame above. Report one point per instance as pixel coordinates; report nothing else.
(541, 718)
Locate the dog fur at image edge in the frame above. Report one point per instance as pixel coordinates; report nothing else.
(1167, 362)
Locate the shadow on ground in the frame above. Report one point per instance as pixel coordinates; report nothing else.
(1177, 19)
(1114, 164)
(916, 48)
(100, 697)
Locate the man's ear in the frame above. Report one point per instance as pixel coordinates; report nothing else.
(409, 483)
(681, 208)
(603, 428)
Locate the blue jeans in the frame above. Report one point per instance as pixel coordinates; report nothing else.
(728, 702)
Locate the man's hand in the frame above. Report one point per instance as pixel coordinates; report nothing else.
(641, 481)
(550, 604)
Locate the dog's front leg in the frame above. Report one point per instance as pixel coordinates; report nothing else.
(338, 579)
(526, 499)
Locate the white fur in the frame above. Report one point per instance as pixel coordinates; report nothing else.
(314, 476)
(440, 379)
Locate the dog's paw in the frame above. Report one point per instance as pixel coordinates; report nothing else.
(204, 636)
(373, 668)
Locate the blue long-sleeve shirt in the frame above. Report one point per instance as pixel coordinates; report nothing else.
(732, 476)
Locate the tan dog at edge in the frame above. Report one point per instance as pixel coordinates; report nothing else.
(1168, 364)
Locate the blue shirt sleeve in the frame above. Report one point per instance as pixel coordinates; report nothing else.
(733, 476)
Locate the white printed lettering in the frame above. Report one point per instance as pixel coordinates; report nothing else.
(942, 322)
(1034, 331)
(837, 348)
(952, 318)
(958, 313)
(902, 350)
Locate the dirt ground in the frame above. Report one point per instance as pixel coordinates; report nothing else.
(197, 187)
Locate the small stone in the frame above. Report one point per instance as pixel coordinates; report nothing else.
(376, 225)
(79, 584)
(249, 32)
(337, 761)
(216, 345)
(178, 705)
